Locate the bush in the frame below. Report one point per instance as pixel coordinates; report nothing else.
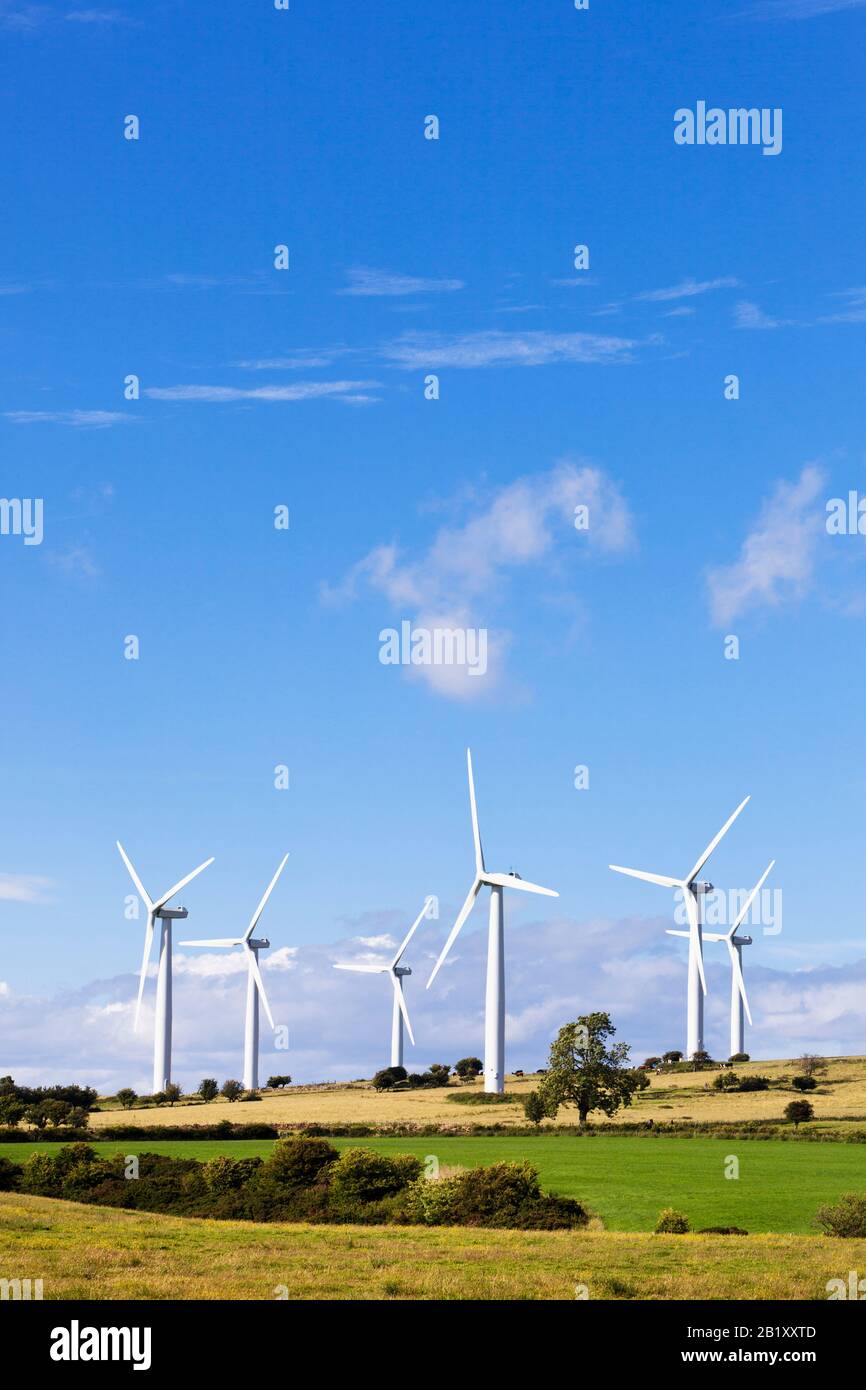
(9, 1174)
(726, 1081)
(298, 1163)
(847, 1218)
(722, 1231)
(501, 1194)
(388, 1077)
(672, 1223)
(276, 1083)
(755, 1083)
(739, 1057)
(359, 1175)
(803, 1083)
(468, 1067)
(127, 1097)
(231, 1090)
(229, 1174)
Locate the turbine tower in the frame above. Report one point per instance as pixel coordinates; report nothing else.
(162, 1018)
(735, 945)
(399, 1012)
(255, 983)
(692, 890)
(494, 1007)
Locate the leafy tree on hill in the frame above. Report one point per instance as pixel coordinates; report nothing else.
(587, 1072)
(535, 1108)
(804, 1083)
(388, 1077)
(651, 1063)
(672, 1057)
(208, 1089)
(797, 1112)
(127, 1097)
(231, 1090)
(700, 1060)
(12, 1110)
(276, 1083)
(468, 1068)
(172, 1092)
(738, 1057)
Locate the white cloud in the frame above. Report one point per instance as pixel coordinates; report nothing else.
(301, 391)
(803, 9)
(364, 281)
(687, 289)
(23, 888)
(777, 558)
(748, 315)
(855, 311)
(494, 348)
(79, 419)
(339, 1023)
(460, 580)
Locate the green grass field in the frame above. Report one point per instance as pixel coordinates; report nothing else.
(625, 1181)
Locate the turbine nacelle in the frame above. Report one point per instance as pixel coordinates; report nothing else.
(393, 968)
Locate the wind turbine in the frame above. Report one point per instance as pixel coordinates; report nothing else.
(692, 890)
(396, 971)
(166, 915)
(255, 983)
(735, 945)
(494, 1006)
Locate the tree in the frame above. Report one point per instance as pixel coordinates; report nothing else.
(12, 1110)
(468, 1068)
(437, 1074)
(388, 1077)
(700, 1060)
(231, 1090)
(803, 1083)
(738, 1057)
(37, 1115)
(798, 1111)
(276, 1083)
(585, 1071)
(672, 1057)
(810, 1064)
(173, 1092)
(535, 1108)
(651, 1063)
(208, 1089)
(127, 1097)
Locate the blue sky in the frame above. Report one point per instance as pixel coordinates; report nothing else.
(260, 647)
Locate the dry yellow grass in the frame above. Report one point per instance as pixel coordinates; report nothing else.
(95, 1253)
(679, 1096)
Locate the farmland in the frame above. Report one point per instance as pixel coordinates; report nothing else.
(95, 1253)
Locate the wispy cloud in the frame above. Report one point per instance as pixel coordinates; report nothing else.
(463, 576)
(302, 360)
(499, 349)
(23, 19)
(301, 391)
(23, 888)
(688, 289)
(365, 281)
(777, 558)
(98, 17)
(855, 310)
(76, 562)
(748, 315)
(79, 419)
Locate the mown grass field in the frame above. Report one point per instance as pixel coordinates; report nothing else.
(679, 1097)
(94, 1253)
(625, 1181)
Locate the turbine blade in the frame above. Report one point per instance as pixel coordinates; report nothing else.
(476, 833)
(402, 1002)
(148, 942)
(363, 969)
(650, 878)
(409, 935)
(671, 931)
(161, 902)
(267, 893)
(509, 881)
(134, 876)
(712, 845)
(253, 966)
(216, 941)
(461, 918)
(738, 976)
(694, 939)
(743, 913)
